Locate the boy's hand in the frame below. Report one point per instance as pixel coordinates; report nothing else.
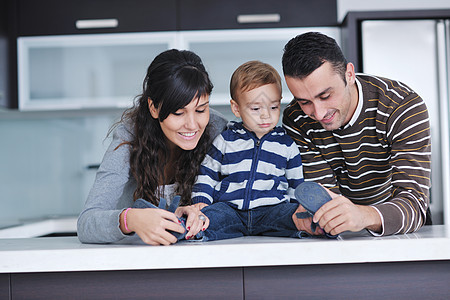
(304, 224)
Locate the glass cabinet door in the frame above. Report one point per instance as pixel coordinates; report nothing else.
(222, 51)
(85, 71)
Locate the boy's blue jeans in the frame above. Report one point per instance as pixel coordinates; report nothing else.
(226, 222)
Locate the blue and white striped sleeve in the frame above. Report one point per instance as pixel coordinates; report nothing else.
(209, 174)
(294, 170)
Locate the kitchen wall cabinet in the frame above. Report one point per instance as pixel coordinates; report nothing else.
(104, 71)
(106, 16)
(222, 51)
(88, 54)
(54, 17)
(236, 14)
(85, 71)
(8, 56)
(3, 57)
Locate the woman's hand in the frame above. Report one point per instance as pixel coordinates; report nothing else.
(151, 225)
(196, 221)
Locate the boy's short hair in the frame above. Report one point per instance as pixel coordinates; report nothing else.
(252, 75)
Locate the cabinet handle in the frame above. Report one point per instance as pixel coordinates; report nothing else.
(103, 23)
(260, 18)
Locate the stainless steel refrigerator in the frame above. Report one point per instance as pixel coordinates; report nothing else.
(415, 52)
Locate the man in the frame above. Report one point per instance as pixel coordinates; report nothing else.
(365, 138)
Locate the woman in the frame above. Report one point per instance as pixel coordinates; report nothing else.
(156, 151)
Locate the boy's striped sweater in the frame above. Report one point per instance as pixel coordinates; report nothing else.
(248, 172)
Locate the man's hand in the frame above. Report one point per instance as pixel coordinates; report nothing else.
(340, 214)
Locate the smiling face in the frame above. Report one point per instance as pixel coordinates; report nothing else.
(324, 96)
(185, 127)
(258, 108)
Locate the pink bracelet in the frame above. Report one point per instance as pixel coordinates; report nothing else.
(125, 219)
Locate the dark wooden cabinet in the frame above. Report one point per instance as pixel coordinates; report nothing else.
(5, 287)
(146, 284)
(25, 18)
(390, 280)
(236, 14)
(403, 280)
(55, 17)
(3, 51)
(8, 54)
(33, 18)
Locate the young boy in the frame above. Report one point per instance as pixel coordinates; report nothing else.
(249, 176)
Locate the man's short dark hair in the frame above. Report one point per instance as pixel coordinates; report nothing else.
(306, 52)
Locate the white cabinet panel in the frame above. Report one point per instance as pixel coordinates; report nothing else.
(85, 71)
(222, 51)
(107, 70)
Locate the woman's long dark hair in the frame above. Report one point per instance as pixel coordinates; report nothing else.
(173, 79)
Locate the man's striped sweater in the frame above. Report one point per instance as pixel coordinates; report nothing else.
(248, 172)
(382, 158)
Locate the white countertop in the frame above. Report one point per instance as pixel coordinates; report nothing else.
(39, 227)
(52, 254)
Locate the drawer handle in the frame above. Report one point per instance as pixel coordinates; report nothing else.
(89, 24)
(260, 18)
